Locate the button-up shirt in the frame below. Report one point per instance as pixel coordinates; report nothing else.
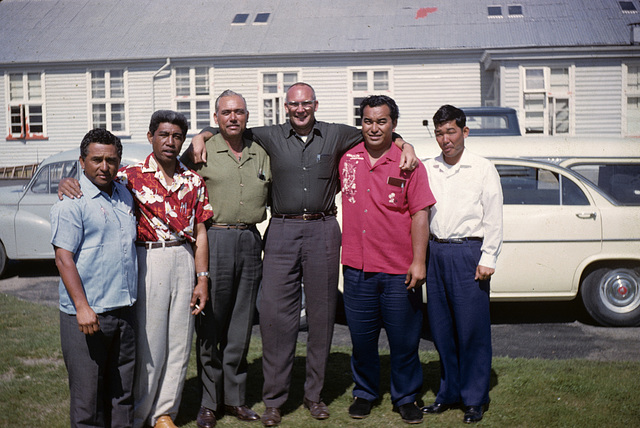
(100, 231)
(305, 174)
(469, 203)
(166, 212)
(238, 189)
(377, 204)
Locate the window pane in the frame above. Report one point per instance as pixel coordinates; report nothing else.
(270, 83)
(17, 128)
(34, 86)
(240, 18)
(184, 107)
(515, 10)
(381, 80)
(117, 117)
(494, 10)
(35, 119)
(41, 182)
(633, 116)
(357, 119)
(202, 81)
(562, 116)
(203, 118)
(534, 79)
(618, 180)
(117, 84)
(98, 84)
(261, 18)
(571, 193)
(359, 80)
(289, 79)
(182, 82)
(267, 109)
(99, 117)
(633, 83)
(560, 79)
(534, 113)
(16, 87)
(528, 186)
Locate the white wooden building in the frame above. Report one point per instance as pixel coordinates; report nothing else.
(569, 67)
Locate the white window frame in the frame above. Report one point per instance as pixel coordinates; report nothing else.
(196, 100)
(550, 97)
(275, 113)
(626, 94)
(109, 101)
(25, 107)
(371, 89)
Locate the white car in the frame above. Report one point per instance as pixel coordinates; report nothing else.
(25, 229)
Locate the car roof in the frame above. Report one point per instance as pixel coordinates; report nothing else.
(131, 153)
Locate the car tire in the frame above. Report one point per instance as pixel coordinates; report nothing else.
(611, 295)
(3, 259)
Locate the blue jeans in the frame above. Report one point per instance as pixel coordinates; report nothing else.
(373, 300)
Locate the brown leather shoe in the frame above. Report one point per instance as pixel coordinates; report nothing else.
(206, 418)
(271, 417)
(243, 413)
(318, 410)
(164, 422)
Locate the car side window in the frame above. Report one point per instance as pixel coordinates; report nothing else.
(620, 181)
(49, 177)
(523, 185)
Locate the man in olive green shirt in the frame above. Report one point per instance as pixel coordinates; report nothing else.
(238, 178)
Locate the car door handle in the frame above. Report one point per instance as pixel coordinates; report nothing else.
(586, 215)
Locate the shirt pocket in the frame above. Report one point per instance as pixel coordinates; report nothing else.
(393, 197)
(324, 165)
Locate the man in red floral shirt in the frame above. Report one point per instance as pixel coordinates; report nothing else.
(172, 205)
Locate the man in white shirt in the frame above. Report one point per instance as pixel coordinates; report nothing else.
(466, 237)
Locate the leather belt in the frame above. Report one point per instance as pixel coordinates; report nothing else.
(159, 244)
(306, 216)
(240, 226)
(454, 240)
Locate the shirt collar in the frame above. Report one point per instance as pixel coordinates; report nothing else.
(151, 165)
(290, 132)
(392, 155)
(90, 189)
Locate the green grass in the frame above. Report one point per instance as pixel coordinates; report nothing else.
(524, 392)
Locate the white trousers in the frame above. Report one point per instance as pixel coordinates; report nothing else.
(166, 277)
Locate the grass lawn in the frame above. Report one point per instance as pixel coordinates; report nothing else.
(524, 392)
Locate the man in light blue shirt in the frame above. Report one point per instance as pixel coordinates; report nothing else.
(94, 241)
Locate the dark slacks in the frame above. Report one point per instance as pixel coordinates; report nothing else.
(297, 250)
(458, 310)
(373, 300)
(224, 332)
(101, 369)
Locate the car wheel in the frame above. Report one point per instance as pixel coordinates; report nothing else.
(612, 296)
(3, 259)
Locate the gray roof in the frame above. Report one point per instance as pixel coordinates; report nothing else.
(88, 30)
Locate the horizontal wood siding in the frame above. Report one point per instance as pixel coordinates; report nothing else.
(598, 108)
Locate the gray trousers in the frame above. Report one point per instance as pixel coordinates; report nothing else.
(297, 250)
(224, 332)
(101, 369)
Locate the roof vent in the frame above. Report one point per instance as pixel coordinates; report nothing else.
(515, 11)
(494, 11)
(240, 18)
(261, 18)
(627, 7)
(635, 33)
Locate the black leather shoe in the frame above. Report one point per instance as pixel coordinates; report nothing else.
(243, 413)
(410, 413)
(318, 410)
(473, 414)
(206, 418)
(271, 417)
(360, 408)
(438, 407)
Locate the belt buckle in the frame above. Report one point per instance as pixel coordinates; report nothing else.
(307, 216)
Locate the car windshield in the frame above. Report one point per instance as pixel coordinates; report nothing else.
(620, 181)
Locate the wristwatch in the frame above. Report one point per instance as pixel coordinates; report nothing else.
(205, 273)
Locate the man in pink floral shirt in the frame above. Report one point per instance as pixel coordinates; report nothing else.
(172, 205)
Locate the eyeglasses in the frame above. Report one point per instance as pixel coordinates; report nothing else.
(307, 104)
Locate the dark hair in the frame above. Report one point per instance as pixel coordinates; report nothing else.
(313, 91)
(168, 116)
(100, 136)
(447, 113)
(381, 100)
